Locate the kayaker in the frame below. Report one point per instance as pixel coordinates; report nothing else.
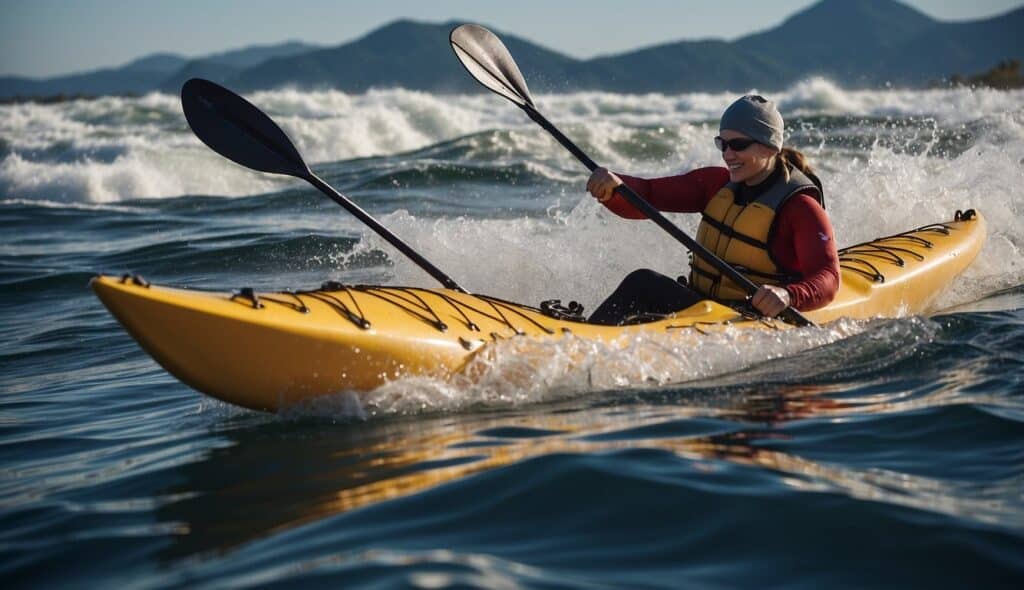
(763, 213)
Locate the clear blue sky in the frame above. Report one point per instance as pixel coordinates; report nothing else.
(51, 37)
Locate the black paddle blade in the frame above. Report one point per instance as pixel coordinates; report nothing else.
(485, 58)
(237, 130)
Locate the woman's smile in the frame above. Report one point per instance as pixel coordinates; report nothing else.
(751, 164)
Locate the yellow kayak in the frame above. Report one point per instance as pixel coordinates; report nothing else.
(267, 351)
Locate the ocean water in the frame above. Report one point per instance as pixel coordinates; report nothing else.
(869, 454)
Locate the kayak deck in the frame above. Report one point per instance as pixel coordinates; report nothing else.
(267, 351)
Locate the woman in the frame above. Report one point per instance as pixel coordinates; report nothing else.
(763, 213)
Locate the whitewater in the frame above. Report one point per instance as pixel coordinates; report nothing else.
(892, 159)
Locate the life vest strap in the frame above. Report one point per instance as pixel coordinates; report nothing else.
(766, 277)
(732, 233)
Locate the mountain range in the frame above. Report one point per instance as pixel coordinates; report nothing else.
(856, 43)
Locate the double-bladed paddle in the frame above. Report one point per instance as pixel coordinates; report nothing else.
(487, 59)
(237, 130)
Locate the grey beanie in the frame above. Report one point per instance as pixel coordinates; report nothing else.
(757, 118)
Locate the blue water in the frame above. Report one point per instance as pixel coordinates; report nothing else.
(889, 457)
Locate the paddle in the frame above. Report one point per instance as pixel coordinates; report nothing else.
(487, 59)
(237, 130)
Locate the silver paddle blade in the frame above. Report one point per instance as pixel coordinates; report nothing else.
(488, 60)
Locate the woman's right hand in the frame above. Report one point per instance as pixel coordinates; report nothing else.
(602, 184)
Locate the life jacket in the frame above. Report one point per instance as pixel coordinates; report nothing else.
(739, 234)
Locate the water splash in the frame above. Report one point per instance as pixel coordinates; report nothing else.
(526, 371)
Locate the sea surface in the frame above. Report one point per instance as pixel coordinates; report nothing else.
(864, 454)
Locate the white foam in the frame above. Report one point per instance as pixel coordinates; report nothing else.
(113, 149)
(950, 105)
(520, 371)
(141, 173)
(581, 251)
(123, 148)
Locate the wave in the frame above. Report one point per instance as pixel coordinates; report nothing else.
(489, 197)
(580, 251)
(240, 253)
(115, 149)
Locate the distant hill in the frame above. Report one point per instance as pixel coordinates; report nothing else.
(257, 54)
(158, 62)
(146, 74)
(138, 76)
(684, 66)
(224, 67)
(404, 53)
(959, 47)
(844, 40)
(856, 43)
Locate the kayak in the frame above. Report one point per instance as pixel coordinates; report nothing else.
(268, 351)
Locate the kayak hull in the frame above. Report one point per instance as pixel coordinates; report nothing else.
(270, 351)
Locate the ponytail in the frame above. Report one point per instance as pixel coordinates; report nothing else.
(790, 158)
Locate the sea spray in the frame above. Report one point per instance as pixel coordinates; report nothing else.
(517, 372)
(490, 198)
(331, 126)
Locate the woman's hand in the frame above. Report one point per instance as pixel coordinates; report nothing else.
(602, 184)
(770, 300)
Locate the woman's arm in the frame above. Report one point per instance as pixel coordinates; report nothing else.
(686, 193)
(810, 251)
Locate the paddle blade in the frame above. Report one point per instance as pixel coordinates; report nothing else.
(485, 58)
(237, 130)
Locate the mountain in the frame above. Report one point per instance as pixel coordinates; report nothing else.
(404, 53)
(684, 66)
(222, 67)
(98, 82)
(965, 48)
(146, 74)
(856, 43)
(157, 62)
(257, 54)
(845, 40)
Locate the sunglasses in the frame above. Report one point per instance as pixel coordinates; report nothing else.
(738, 144)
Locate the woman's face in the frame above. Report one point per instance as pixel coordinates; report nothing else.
(754, 163)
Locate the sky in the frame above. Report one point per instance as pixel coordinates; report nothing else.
(42, 38)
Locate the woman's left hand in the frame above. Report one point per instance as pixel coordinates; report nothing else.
(770, 300)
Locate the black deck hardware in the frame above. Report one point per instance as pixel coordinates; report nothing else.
(134, 279)
(553, 308)
(247, 293)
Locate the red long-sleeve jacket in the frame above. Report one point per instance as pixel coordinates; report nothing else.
(803, 241)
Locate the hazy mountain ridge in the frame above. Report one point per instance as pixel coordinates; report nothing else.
(148, 73)
(856, 43)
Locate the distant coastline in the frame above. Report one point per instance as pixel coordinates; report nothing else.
(880, 44)
(59, 98)
(1004, 76)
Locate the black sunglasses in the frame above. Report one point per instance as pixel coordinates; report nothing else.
(738, 144)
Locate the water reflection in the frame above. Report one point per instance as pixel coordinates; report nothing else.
(281, 475)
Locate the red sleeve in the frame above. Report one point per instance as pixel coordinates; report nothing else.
(804, 242)
(687, 193)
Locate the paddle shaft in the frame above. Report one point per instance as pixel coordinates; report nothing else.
(790, 314)
(383, 232)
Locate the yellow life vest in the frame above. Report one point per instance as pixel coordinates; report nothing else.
(739, 233)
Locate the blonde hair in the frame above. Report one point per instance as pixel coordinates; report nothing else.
(790, 158)
(793, 158)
